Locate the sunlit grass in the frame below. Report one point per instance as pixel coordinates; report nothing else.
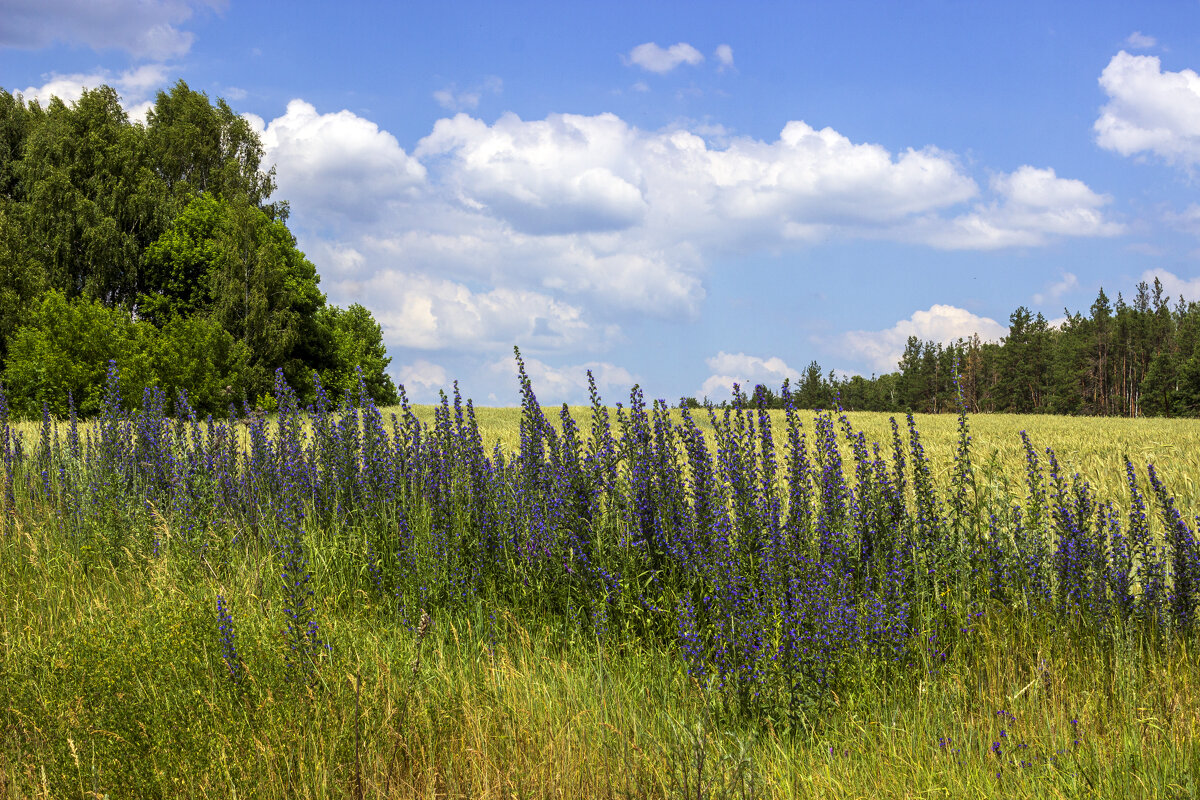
(113, 685)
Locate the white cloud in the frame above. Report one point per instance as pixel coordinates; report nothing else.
(651, 57)
(426, 313)
(421, 373)
(1149, 110)
(550, 176)
(453, 100)
(1187, 220)
(724, 55)
(1140, 41)
(1057, 289)
(139, 112)
(745, 370)
(339, 163)
(571, 173)
(1030, 206)
(68, 88)
(611, 273)
(143, 28)
(941, 323)
(567, 383)
(555, 232)
(134, 85)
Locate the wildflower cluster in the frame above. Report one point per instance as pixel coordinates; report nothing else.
(773, 564)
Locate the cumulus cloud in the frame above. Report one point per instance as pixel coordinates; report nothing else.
(557, 232)
(546, 176)
(1029, 206)
(611, 274)
(745, 370)
(651, 57)
(421, 373)
(941, 323)
(598, 174)
(143, 28)
(339, 163)
(724, 56)
(422, 312)
(1057, 289)
(1140, 41)
(567, 382)
(1150, 111)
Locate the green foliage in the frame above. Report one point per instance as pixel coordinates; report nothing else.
(357, 342)
(165, 254)
(66, 346)
(92, 199)
(197, 355)
(1158, 387)
(264, 292)
(813, 391)
(22, 276)
(175, 267)
(1119, 359)
(1189, 383)
(14, 127)
(199, 147)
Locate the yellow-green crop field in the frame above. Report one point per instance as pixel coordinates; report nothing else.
(1094, 447)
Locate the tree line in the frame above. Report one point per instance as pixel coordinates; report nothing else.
(157, 245)
(1138, 358)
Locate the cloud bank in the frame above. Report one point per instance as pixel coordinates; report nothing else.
(556, 233)
(146, 29)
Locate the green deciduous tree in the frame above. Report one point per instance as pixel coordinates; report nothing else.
(264, 292)
(92, 202)
(196, 355)
(357, 343)
(176, 266)
(66, 346)
(196, 146)
(22, 276)
(170, 223)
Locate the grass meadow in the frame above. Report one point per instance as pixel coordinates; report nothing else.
(634, 602)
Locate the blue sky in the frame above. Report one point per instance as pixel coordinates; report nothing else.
(683, 194)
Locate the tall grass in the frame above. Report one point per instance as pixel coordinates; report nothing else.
(629, 602)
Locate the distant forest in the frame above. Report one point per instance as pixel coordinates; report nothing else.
(156, 246)
(1129, 359)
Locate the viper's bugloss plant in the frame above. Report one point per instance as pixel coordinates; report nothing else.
(228, 637)
(772, 563)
